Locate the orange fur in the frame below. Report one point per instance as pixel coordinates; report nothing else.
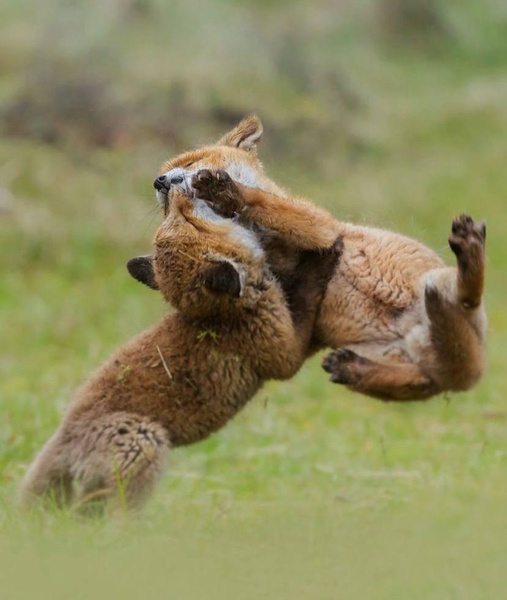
(411, 326)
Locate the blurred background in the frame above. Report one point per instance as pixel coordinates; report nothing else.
(388, 112)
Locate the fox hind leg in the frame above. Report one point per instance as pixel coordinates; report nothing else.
(397, 381)
(467, 241)
(453, 305)
(121, 463)
(48, 478)
(114, 462)
(456, 334)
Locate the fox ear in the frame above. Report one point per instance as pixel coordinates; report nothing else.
(225, 277)
(245, 135)
(141, 268)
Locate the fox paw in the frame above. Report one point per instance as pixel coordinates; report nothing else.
(467, 241)
(219, 190)
(344, 366)
(468, 238)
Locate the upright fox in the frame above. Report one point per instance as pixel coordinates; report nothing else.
(403, 325)
(185, 377)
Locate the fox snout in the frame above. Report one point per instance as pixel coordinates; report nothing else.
(169, 182)
(164, 182)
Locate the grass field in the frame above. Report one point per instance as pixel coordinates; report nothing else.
(312, 492)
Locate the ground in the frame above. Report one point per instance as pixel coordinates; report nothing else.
(312, 492)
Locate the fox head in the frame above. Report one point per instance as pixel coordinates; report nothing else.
(235, 152)
(203, 264)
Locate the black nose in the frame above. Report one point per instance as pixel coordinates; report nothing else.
(160, 183)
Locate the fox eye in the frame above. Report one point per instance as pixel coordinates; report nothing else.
(188, 164)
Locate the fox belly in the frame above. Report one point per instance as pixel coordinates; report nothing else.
(374, 294)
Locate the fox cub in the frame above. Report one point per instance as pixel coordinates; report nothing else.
(185, 377)
(403, 325)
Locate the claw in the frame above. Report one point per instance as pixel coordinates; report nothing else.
(223, 175)
(204, 174)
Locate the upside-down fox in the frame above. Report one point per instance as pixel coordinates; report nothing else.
(402, 324)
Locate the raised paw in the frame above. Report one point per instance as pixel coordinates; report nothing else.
(467, 237)
(217, 188)
(344, 366)
(467, 241)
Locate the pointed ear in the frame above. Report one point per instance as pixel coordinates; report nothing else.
(141, 268)
(245, 135)
(225, 277)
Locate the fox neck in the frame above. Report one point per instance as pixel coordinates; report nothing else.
(237, 232)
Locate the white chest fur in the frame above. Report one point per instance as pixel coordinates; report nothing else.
(238, 232)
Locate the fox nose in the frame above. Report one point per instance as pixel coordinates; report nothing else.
(160, 183)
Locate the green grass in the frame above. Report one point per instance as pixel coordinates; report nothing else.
(311, 492)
